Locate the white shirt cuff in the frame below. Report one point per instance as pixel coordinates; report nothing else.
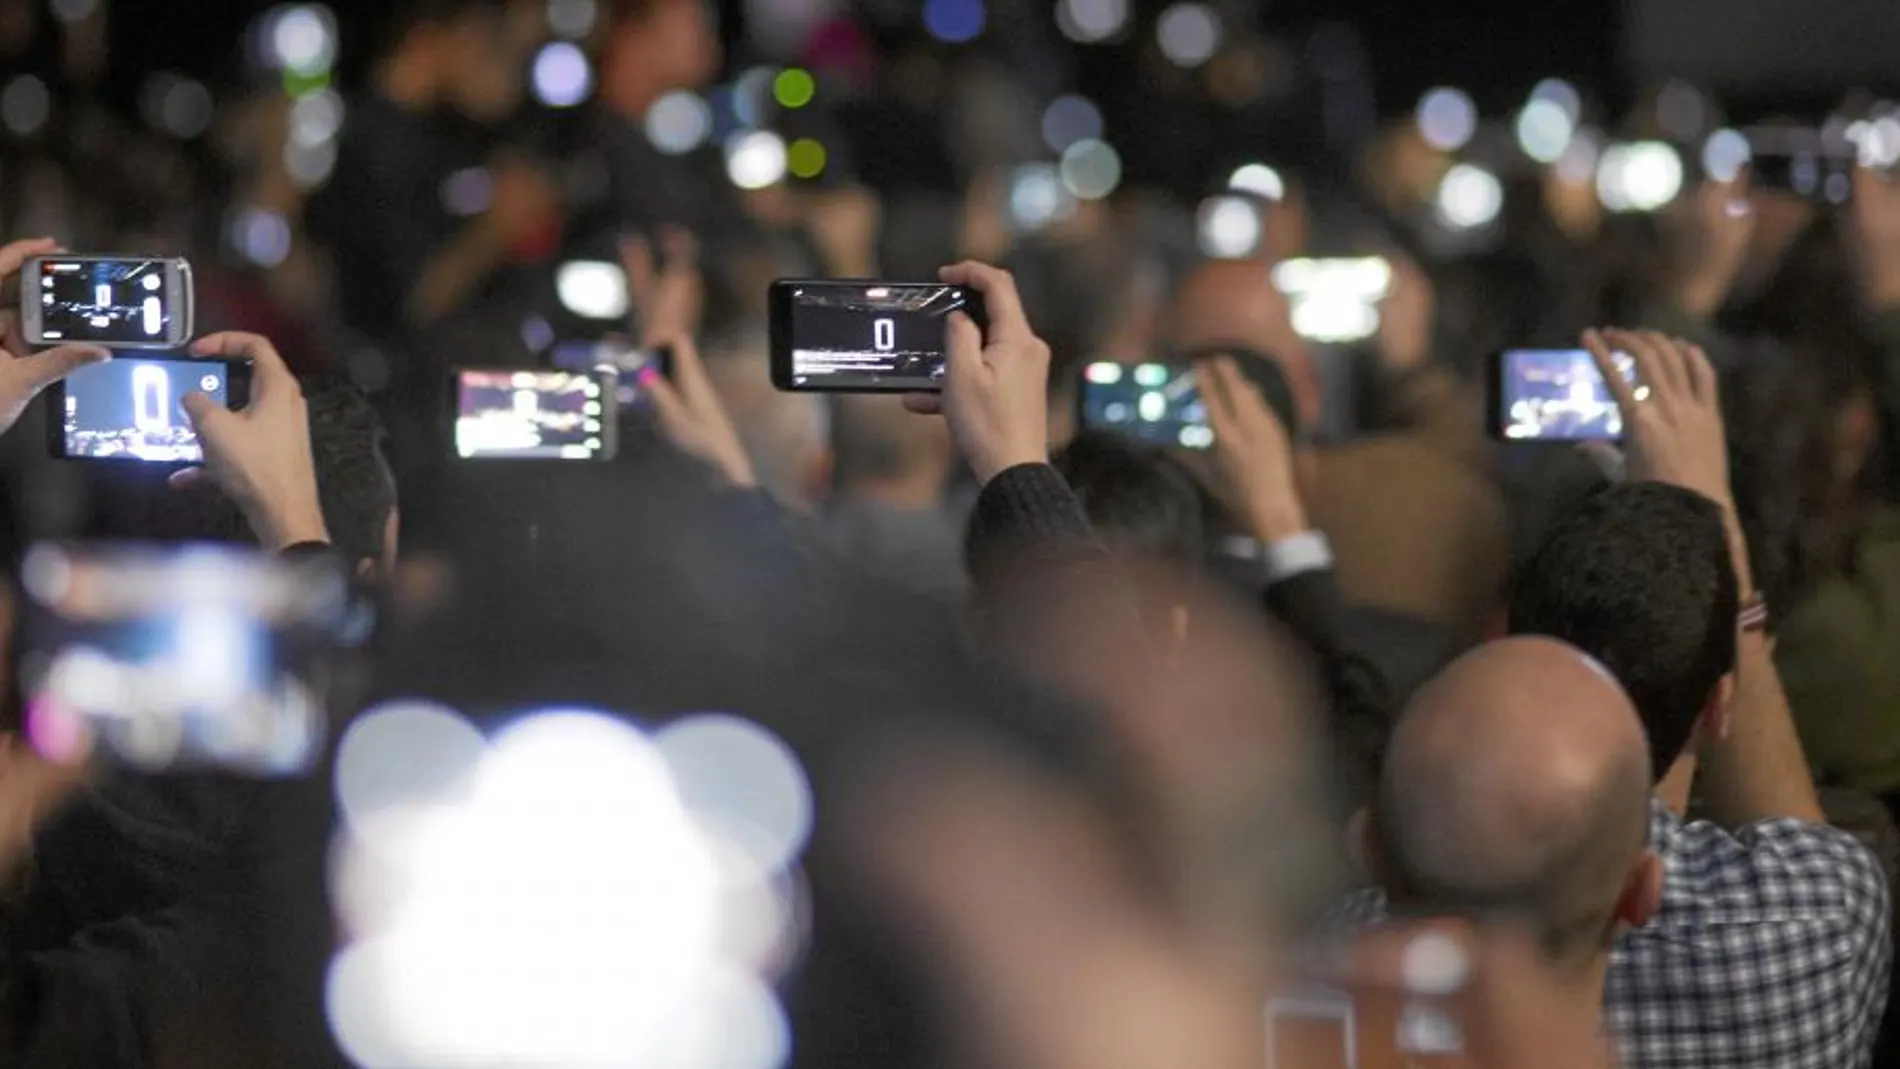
(1297, 555)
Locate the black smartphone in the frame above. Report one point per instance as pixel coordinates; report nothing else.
(864, 337)
(631, 367)
(130, 407)
(1803, 161)
(1158, 403)
(1554, 395)
(120, 302)
(534, 414)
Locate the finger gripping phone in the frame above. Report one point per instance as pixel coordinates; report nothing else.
(864, 337)
(1554, 395)
(131, 408)
(531, 414)
(119, 302)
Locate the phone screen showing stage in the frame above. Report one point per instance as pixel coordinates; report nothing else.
(1557, 395)
(130, 408)
(870, 336)
(531, 415)
(106, 301)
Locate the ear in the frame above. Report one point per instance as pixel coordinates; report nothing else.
(1714, 723)
(1642, 892)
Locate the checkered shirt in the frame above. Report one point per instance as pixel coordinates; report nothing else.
(1770, 950)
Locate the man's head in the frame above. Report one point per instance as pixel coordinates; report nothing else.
(880, 447)
(1515, 788)
(1144, 504)
(655, 47)
(459, 53)
(1234, 302)
(1639, 577)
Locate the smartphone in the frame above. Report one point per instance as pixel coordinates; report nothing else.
(1158, 403)
(1555, 395)
(631, 367)
(1312, 1029)
(1334, 300)
(131, 407)
(120, 302)
(527, 414)
(179, 657)
(863, 337)
(1803, 161)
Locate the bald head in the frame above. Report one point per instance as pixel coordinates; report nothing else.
(1234, 302)
(1517, 783)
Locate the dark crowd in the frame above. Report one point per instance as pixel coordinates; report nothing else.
(1343, 591)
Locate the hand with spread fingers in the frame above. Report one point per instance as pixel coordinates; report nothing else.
(692, 416)
(996, 386)
(1672, 415)
(1253, 450)
(668, 296)
(24, 373)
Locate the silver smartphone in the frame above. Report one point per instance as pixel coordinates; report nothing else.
(119, 302)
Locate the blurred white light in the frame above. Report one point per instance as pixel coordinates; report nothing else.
(403, 754)
(1469, 197)
(592, 289)
(71, 11)
(468, 192)
(25, 105)
(1335, 322)
(1639, 177)
(756, 159)
(1876, 142)
(1578, 164)
(1189, 34)
(177, 106)
(562, 77)
(1544, 130)
(732, 1021)
(302, 39)
(1334, 301)
(1069, 119)
(1447, 119)
(1037, 197)
(744, 782)
(679, 122)
(310, 165)
(1258, 179)
(1091, 21)
(572, 19)
(1091, 169)
(261, 236)
(316, 117)
(1562, 94)
(1724, 155)
(1229, 228)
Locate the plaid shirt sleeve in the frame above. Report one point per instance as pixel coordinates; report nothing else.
(1771, 949)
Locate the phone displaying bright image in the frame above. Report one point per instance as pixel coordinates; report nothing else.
(120, 302)
(1157, 403)
(1554, 395)
(632, 367)
(863, 337)
(528, 414)
(131, 408)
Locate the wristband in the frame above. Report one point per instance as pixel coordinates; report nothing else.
(1754, 613)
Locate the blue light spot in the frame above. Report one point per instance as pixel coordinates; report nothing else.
(954, 21)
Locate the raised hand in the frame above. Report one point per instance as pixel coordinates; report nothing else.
(24, 373)
(1672, 418)
(996, 387)
(692, 416)
(668, 299)
(1253, 450)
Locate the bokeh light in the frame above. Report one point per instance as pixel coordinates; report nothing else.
(1229, 227)
(1258, 179)
(1069, 119)
(25, 105)
(794, 87)
(468, 192)
(954, 21)
(1876, 141)
(1578, 164)
(1469, 197)
(1642, 176)
(592, 289)
(1092, 21)
(805, 158)
(756, 159)
(316, 117)
(301, 39)
(1091, 169)
(400, 755)
(1037, 198)
(1562, 94)
(751, 92)
(1447, 119)
(1544, 130)
(679, 122)
(562, 77)
(310, 166)
(743, 782)
(1724, 155)
(1334, 301)
(260, 235)
(175, 105)
(1189, 34)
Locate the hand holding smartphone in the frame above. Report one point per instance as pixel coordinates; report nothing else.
(131, 408)
(864, 337)
(119, 302)
(1554, 395)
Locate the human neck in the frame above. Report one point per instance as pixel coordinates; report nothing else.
(1673, 789)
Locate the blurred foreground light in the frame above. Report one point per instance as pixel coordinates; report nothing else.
(954, 21)
(1724, 155)
(744, 783)
(1189, 34)
(1469, 197)
(1258, 179)
(1091, 21)
(1069, 119)
(178, 106)
(1334, 301)
(1562, 94)
(592, 289)
(310, 165)
(573, 19)
(1642, 176)
(1578, 164)
(1544, 130)
(300, 39)
(750, 94)
(1091, 169)
(562, 77)
(1447, 119)
(316, 117)
(794, 88)
(1037, 198)
(71, 11)
(679, 122)
(1876, 142)
(261, 236)
(403, 754)
(756, 159)
(25, 105)
(1229, 228)
(806, 158)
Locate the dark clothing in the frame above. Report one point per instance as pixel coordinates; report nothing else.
(919, 549)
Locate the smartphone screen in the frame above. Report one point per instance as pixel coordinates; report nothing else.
(178, 657)
(130, 408)
(630, 367)
(122, 301)
(1558, 395)
(532, 415)
(863, 337)
(1157, 403)
(1335, 300)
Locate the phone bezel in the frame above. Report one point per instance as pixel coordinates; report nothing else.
(779, 330)
(180, 296)
(609, 416)
(237, 388)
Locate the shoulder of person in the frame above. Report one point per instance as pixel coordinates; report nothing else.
(1775, 869)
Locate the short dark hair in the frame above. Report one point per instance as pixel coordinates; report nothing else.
(1638, 576)
(1140, 500)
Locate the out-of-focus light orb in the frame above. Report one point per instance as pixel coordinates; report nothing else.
(1544, 130)
(1069, 119)
(806, 158)
(1642, 176)
(954, 21)
(316, 117)
(750, 93)
(261, 236)
(1258, 179)
(1091, 21)
(468, 192)
(1229, 228)
(1447, 118)
(1189, 34)
(1469, 197)
(1876, 142)
(679, 122)
(401, 754)
(1578, 164)
(310, 166)
(1682, 111)
(743, 782)
(562, 77)
(732, 1021)
(592, 289)
(1562, 94)
(302, 39)
(25, 105)
(573, 19)
(178, 106)
(794, 88)
(1037, 197)
(1091, 169)
(71, 11)
(1724, 155)
(756, 159)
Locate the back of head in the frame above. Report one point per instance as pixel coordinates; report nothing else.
(1515, 788)
(1235, 303)
(787, 435)
(875, 438)
(1639, 577)
(1141, 501)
